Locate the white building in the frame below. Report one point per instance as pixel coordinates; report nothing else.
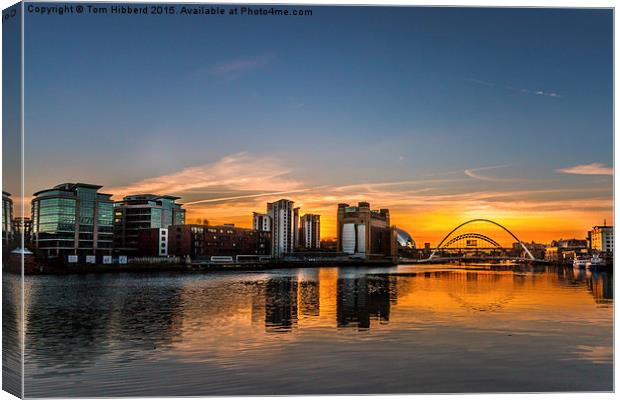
(261, 222)
(283, 225)
(602, 239)
(310, 234)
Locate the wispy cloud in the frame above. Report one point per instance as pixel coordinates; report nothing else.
(537, 92)
(228, 190)
(480, 82)
(473, 173)
(588, 169)
(534, 92)
(237, 172)
(247, 196)
(239, 66)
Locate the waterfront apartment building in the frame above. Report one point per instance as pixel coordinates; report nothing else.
(310, 231)
(602, 239)
(143, 211)
(261, 222)
(7, 218)
(564, 250)
(296, 230)
(365, 233)
(283, 226)
(72, 219)
(205, 241)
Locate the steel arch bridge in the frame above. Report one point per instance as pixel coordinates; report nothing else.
(443, 244)
(466, 236)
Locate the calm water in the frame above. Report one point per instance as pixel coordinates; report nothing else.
(334, 330)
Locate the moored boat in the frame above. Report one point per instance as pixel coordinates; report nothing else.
(580, 262)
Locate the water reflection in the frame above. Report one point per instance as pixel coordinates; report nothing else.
(11, 334)
(76, 322)
(281, 304)
(361, 299)
(239, 333)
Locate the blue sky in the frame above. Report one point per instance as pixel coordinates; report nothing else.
(347, 96)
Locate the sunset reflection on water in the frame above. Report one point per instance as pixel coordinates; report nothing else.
(356, 330)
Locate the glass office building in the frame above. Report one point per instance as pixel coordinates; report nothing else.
(143, 211)
(73, 219)
(7, 218)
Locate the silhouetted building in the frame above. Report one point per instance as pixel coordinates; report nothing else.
(329, 245)
(310, 231)
(205, 241)
(364, 232)
(72, 219)
(143, 211)
(22, 228)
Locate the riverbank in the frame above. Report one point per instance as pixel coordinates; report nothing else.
(41, 269)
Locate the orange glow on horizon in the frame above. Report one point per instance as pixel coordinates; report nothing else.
(432, 225)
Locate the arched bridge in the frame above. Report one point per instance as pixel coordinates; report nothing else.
(469, 236)
(445, 243)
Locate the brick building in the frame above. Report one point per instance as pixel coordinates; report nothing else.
(204, 241)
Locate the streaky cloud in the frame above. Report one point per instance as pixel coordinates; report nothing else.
(588, 169)
(240, 65)
(473, 173)
(538, 92)
(237, 172)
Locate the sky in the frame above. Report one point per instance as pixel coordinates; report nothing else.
(439, 114)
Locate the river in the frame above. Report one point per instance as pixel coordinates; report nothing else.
(406, 329)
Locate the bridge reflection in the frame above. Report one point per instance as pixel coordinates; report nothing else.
(76, 321)
(362, 301)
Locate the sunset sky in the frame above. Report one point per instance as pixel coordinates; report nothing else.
(440, 115)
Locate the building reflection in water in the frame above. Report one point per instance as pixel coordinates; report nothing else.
(122, 324)
(133, 316)
(281, 304)
(600, 284)
(309, 293)
(11, 333)
(362, 298)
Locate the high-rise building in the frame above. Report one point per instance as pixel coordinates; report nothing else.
(310, 231)
(72, 219)
(7, 218)
(282, 214)
(261, 222)
(143, 211)
(296, 231)
(364, 232)
(602, 239)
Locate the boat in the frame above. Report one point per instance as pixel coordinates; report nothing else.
(580, 262)
(595, 262)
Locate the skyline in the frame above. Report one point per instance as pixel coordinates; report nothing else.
(440, 115)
